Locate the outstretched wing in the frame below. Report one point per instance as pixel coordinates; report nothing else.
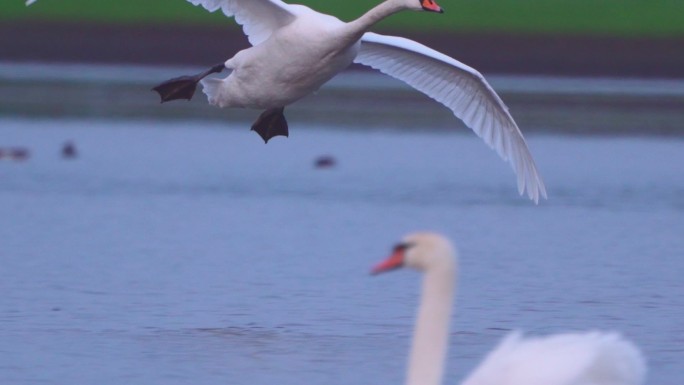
(259, 18)
(567, 359)
(463, 90)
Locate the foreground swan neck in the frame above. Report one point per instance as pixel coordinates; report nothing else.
(431, 334)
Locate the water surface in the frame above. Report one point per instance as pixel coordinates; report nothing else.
(194, 253)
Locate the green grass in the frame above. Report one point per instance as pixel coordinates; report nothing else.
(583, 17)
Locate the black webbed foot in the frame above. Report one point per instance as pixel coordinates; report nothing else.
(184, 87)
(271, 123)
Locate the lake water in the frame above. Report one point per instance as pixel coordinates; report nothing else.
(192, 253)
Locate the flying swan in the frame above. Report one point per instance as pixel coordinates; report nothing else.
(579, 358)
(295, 50)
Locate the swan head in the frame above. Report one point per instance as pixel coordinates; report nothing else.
(430, 6)
(422, 251)
(419, 5)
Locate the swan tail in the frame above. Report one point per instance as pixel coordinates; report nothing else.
(212, 88)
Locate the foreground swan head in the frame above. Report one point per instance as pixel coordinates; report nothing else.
(422, 251)
(435, 256)
(577, 358)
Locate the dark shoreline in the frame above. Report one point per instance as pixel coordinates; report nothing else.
(201, 46)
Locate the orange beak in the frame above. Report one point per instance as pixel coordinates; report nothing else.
(394, 261)
(431, 6)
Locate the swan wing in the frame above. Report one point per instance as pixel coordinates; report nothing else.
(463, 90)
(258, 18)
(597, 358)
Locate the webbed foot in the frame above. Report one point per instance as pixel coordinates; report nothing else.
(184, 87)
(271, 123)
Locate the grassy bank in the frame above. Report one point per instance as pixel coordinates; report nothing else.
(648, 18)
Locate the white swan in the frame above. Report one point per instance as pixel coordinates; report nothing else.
(296, 50)
(589, 358)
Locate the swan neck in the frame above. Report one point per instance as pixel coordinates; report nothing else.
(431, 334)
(376, 14)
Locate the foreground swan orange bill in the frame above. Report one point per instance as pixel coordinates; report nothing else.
(579, 358)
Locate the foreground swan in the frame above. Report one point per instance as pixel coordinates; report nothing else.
(590, 358)
(296, 50)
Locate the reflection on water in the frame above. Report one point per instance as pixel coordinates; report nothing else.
(194, 253)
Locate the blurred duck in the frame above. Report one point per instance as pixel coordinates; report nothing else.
(14, 153)
(325, 161)
(69, 150)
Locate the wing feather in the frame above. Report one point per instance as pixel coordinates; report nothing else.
(259, 18)
(464, 91)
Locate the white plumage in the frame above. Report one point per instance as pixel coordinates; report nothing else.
(579, 358)
(588, 358)
(296, 50)
(460, 88)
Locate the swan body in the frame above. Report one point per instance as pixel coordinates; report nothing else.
(580, 358)
(286, 69)
(588, 358)
(295, 50)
